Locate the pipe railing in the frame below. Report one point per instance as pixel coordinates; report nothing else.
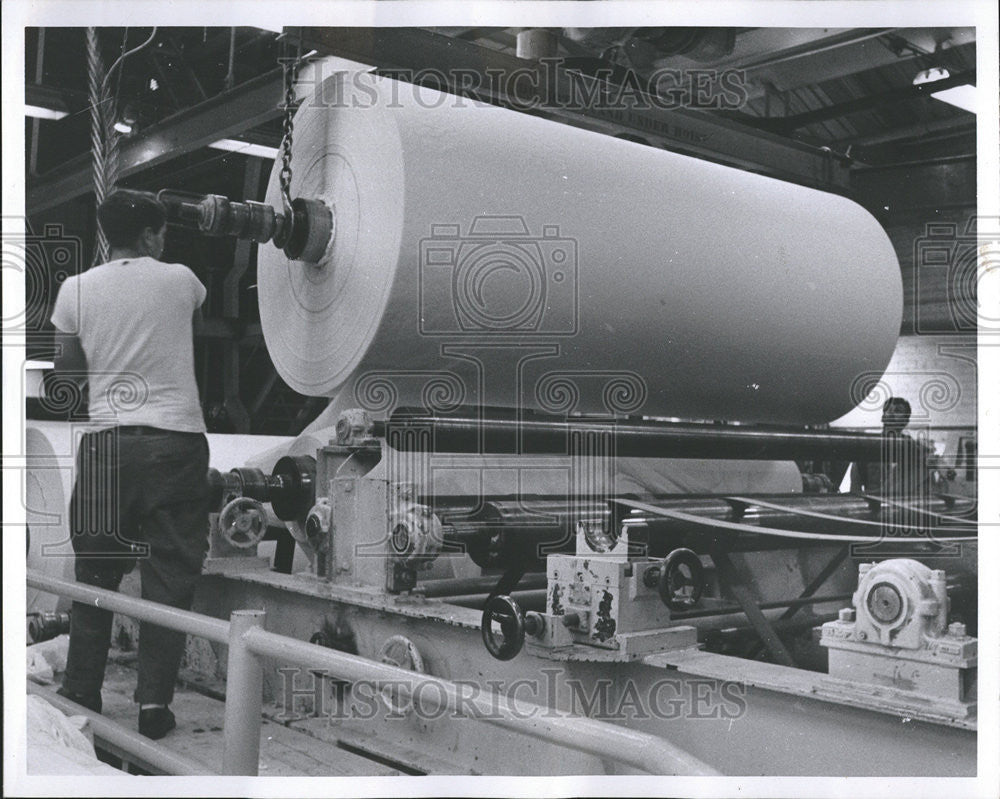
(248, 642)
(142, 751)
(638, 749)
(184, 621)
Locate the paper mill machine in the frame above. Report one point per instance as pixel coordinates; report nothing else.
(570, 378)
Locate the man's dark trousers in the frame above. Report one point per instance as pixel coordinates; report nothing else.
(140, 494)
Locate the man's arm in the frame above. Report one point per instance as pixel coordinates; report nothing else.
(69, 366)
(70, 358)
(69, 354)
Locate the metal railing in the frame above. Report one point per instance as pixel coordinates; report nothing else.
(249, 642)
(125, 743)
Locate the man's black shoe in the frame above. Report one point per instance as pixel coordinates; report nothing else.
(155, 722)
(92, 702)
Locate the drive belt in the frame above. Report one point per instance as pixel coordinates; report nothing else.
(909, 506)
(736, 527)
(812, 514)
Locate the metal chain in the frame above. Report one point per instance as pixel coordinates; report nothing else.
(285, 175)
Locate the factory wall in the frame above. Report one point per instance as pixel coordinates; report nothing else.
(937, 375)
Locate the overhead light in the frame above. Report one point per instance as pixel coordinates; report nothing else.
(44, 102)
(931, 75)
(39, 112)
(963, 97)
(245, 148)
(128, 120)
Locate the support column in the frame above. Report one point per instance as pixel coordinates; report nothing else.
(244, 689)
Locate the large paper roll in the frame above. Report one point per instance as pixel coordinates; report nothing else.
(229, 450)
(485, 256)
(48, 487)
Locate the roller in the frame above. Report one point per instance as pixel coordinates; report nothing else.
(487, 257)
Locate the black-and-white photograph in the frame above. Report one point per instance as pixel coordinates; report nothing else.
(594, 393)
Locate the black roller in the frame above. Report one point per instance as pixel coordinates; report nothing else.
(293, 486)
(536, 434)
(253, 482)
(222, 485)
(476, 585)
(501, 533)
(290, 488)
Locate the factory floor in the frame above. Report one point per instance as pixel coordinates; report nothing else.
(306, 750)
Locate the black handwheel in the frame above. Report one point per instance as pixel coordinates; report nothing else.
(682, 579)
(505, 611)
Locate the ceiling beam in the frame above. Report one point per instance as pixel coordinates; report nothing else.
(929, 128)
(693, 132)
(51, 97)
(938, 183)
(837, 57)
(766, 47)
(866, 103)
(227, 114)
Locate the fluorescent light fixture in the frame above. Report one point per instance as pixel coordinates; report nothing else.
(123, 127)
(963, 97)
(931, 75)
(39, 112)
(245, 148)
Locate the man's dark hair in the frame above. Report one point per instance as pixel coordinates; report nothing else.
(125, 214)
(899, 404)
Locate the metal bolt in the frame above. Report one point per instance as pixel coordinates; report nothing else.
(862, 636)
(846, 614)
(927, 607)
(571, 620)
(651, 577)
(534, 624)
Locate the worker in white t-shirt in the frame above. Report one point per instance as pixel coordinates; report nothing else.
(140, 489)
